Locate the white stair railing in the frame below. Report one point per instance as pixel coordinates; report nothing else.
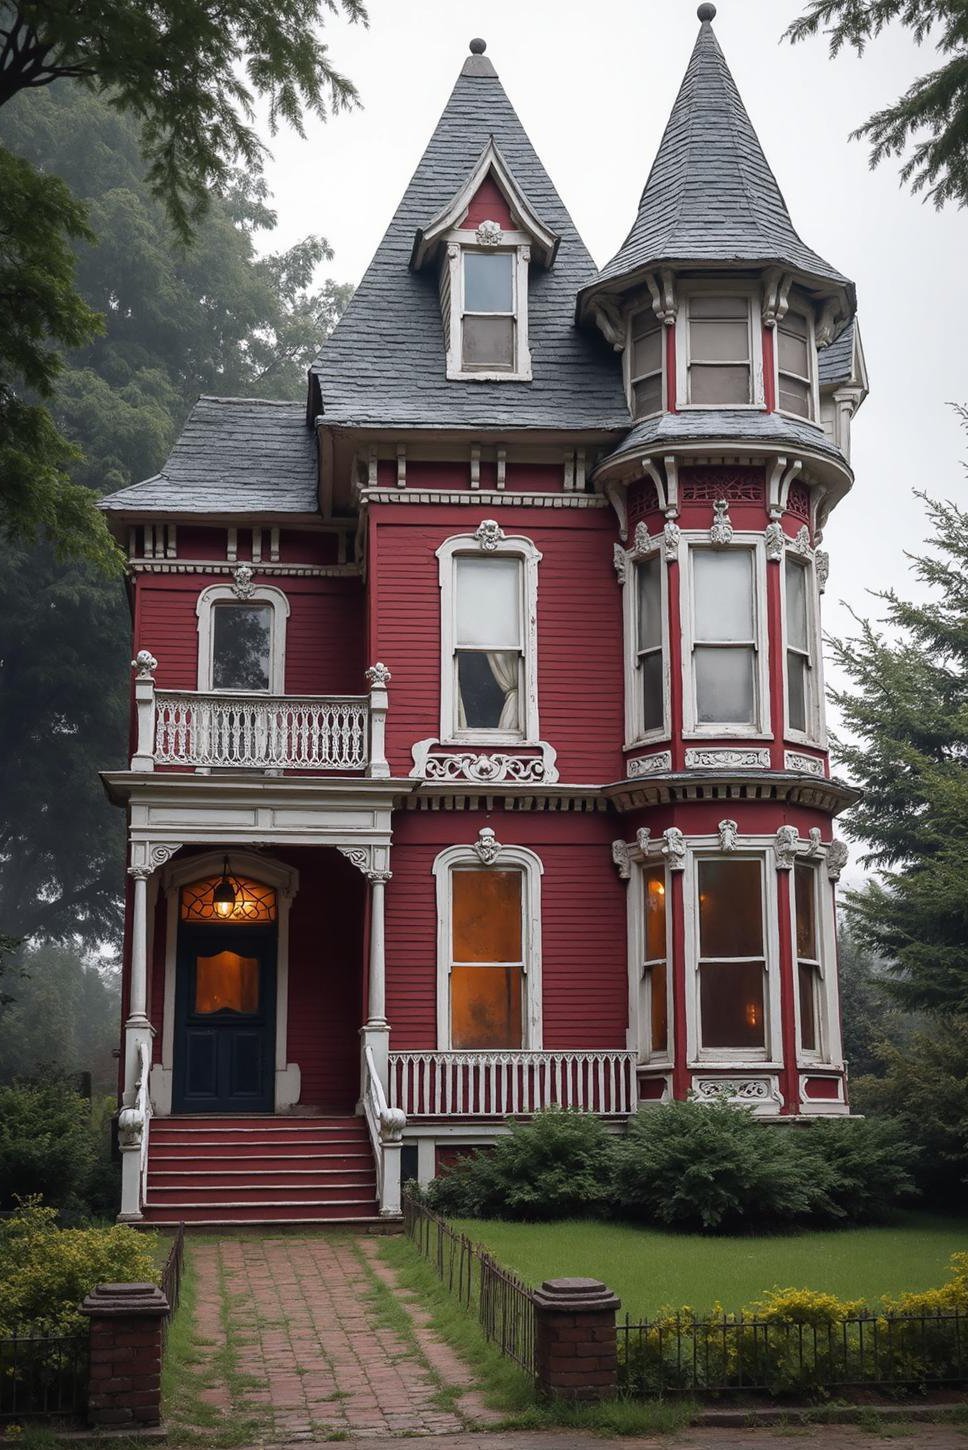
(133, 1129)
(386, 1127)
(503, 1084)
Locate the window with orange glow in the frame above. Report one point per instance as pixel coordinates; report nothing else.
(732, 963)
(254, 902)
(226, 982)
(487, 961)
(655, 968)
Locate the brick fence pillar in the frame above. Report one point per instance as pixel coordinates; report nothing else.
(126, 1323)
(576, 1353)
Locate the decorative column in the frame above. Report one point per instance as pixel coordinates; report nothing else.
(144, 699)
(137, 1028)
(379, 677)
(125, 1355)
(376, 1033)
(576, 1350)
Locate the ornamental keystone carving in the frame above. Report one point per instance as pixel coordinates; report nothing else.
(802, 541)
(642, 541)
(821, 562)
(721, 531)
(145, 664)
(656, 764)
(775, 541)
(378, 675)
(242, 586)
(620, 857)
(674, 849)
(487, 846)
(620, 560)
(489, 234)
(785, 845)
(728, 831)
(837, 855)
(489, 534)
(643, 839)
(671, 534)
(816, 842)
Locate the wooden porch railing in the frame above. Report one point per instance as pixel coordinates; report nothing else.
(503, 1084)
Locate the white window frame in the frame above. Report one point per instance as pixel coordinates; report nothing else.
(813, 380)
(816, 731)
(632, 378)
(827, 1002)
(724, 288)
(757, 848)
(514, 546)
(460, 242)
(635, 733)
(640, 984)
(516, 858)
(760, 729)
(217, 595)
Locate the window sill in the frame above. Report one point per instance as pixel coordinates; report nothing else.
(499, 376)
(811, 742)
(726, 732)
(721, 407)
(661, 737)
(734, 1064)
(489, 737)
(800, 418)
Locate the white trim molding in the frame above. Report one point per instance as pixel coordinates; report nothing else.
(432, 762)
(243, 591)
(727, 759)
(489, 541)
(657, 764)
(485, 852)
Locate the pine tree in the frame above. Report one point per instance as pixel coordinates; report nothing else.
(905, 743)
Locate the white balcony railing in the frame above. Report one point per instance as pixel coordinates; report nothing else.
(503, 1084)
(260, 732)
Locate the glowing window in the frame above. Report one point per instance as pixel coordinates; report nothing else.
(254, 902)
(226, 982)
(731, 958)
(655, 970)
(487, 964)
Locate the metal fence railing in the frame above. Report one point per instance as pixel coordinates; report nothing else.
(503, 1302)
(43, 1375)
(720, 1356)
(171, 1275)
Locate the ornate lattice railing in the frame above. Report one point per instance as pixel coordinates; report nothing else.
(259, 732)
(502, 1084)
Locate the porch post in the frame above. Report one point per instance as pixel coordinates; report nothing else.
(144, 698)
(378, 677)
(376, 1033)
(137, 1028)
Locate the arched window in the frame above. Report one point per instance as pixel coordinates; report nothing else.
(488, 947)
(242, 640)
(254, 901)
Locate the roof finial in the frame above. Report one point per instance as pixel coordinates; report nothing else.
(706, 13)
(478, 46)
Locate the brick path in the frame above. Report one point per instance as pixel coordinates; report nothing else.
(830, 1437)
(313, 1352)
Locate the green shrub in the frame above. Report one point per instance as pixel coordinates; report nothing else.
(558, 1165)
(45, 1271)
(47, 1146)
(710, 1167)
(861, 1167)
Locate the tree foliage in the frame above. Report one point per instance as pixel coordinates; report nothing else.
(64, 1019)
(214, 317)
(928, 125)
(905, 741)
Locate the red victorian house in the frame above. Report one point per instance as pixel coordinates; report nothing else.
(478, 706)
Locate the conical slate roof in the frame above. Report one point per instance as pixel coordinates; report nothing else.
(711, 196)
(385, 363)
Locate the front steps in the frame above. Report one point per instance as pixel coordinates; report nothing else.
(260, 1170)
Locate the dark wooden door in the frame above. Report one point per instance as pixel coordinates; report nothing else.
(225, 1019)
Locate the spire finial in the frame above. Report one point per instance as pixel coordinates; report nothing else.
(706, 13)
(478, 46)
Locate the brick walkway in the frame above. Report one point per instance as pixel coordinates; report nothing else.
(312, 1350)
(830, 1437)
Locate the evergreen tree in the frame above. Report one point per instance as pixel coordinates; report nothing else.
(214, 317)
(869, 1017)
(930, 121)
(906, 744)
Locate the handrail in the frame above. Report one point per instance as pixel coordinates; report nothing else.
(386, 1127)
(133, 1131)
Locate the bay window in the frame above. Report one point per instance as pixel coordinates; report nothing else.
(719, 350)
(732, 956)
(801, 693)
(655, 971)
(488, 313)
(808, 955)
(649, 651)
(794, 364)
(645, 364)
(725, 647)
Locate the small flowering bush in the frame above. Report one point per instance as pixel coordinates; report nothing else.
(45, 1271)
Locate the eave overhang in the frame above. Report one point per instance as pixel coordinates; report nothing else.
(678, 787)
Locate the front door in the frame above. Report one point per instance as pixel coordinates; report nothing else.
(225, 1019)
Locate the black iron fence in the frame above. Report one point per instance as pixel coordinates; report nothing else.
(171, 1275)
(503, 1302)
(43, 1375)
(717, 1357)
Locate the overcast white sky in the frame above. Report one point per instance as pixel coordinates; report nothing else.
(593, 82)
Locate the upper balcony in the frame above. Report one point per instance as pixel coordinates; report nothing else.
(217, 730)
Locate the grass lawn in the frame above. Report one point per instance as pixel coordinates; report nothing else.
(650, 1268)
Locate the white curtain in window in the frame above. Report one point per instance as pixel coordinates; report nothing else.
(504, 668)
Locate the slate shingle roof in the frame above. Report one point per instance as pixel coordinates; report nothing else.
(711, 195)
(836, 362)
(384, 365)
(234, 455)
(698, 425)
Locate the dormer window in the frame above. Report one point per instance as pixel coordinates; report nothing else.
(488, 313)
(719, 348)
(645, 364)
(795, 354)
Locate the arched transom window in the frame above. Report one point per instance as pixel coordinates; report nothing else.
(254, 901)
